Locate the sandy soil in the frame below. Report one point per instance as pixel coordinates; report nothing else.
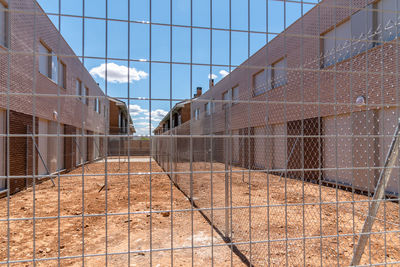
(70, 221)
(304, 225)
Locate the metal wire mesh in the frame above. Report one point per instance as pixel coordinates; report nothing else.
(188, 132)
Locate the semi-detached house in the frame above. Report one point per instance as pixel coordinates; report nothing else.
(45, 93)
(323, 99)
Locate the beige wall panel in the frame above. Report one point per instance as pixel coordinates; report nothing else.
(388, 119)
(235, 146)
(55, 155)
(337, 150)
(2, 148)
(42, 145)
(279, 146)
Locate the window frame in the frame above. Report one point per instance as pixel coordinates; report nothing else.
(257, 92)
(197, 114)
(64, 74)
(78, 90)
(380, 37)
(207, 109)
(87, 92)
(227, 102)
(370, 41)
(273, 73)
(48, 57)
(235, 99)
(4, 42)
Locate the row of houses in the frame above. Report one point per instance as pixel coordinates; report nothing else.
(53, 115)
(319, 101)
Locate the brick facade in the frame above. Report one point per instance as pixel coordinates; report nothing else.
(308, 104)
(30, 96)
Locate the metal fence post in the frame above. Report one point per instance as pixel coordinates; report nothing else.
(379, 194)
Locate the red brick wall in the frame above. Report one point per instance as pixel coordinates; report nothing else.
(27, 30)
(25, 88)
(114, 118)
(185, 113)
(325, 91)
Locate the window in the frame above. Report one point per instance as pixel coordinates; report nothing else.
(87, 94)
(49, 65)
(197, 114)
(279, 73)
(388, 19)
(97, 104)
(62, 75)
(349, 38)
(179, 119)
(259, 83)
(3, 25)
(227, 97)
(44, 60)
(54, 69)
(79, 89)
(235, 94)
(207, 109)
(362, 28)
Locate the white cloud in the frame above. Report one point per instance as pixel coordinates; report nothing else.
(212, 76)
(142, 130)
(223, 73)
(135, 110)
(141, 116)
(141, 124)
(158, 114)
(118, 73)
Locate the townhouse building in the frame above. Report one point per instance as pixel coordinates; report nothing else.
(53, 115)
(319, 101)
(179, 114)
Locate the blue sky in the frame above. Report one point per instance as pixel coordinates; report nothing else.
(168, 80)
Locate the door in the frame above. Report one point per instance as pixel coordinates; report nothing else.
(78, 150)
(42, 147)
(247, 148)
(304, 148)
(55, 147)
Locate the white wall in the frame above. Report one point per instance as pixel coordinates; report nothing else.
(60, 159)
(2, 148)
(279, 146)
(337, 151)
(55, 148)
(83, 146)
(388, 119)
(96, 146)
(42, 144)
(79, 150)
(235, 146)
(354, 155)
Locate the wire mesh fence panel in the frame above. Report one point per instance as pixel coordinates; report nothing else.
(192, 132)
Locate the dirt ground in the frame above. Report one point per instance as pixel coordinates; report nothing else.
(70, 221)
(292, 222)
(289, 222)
